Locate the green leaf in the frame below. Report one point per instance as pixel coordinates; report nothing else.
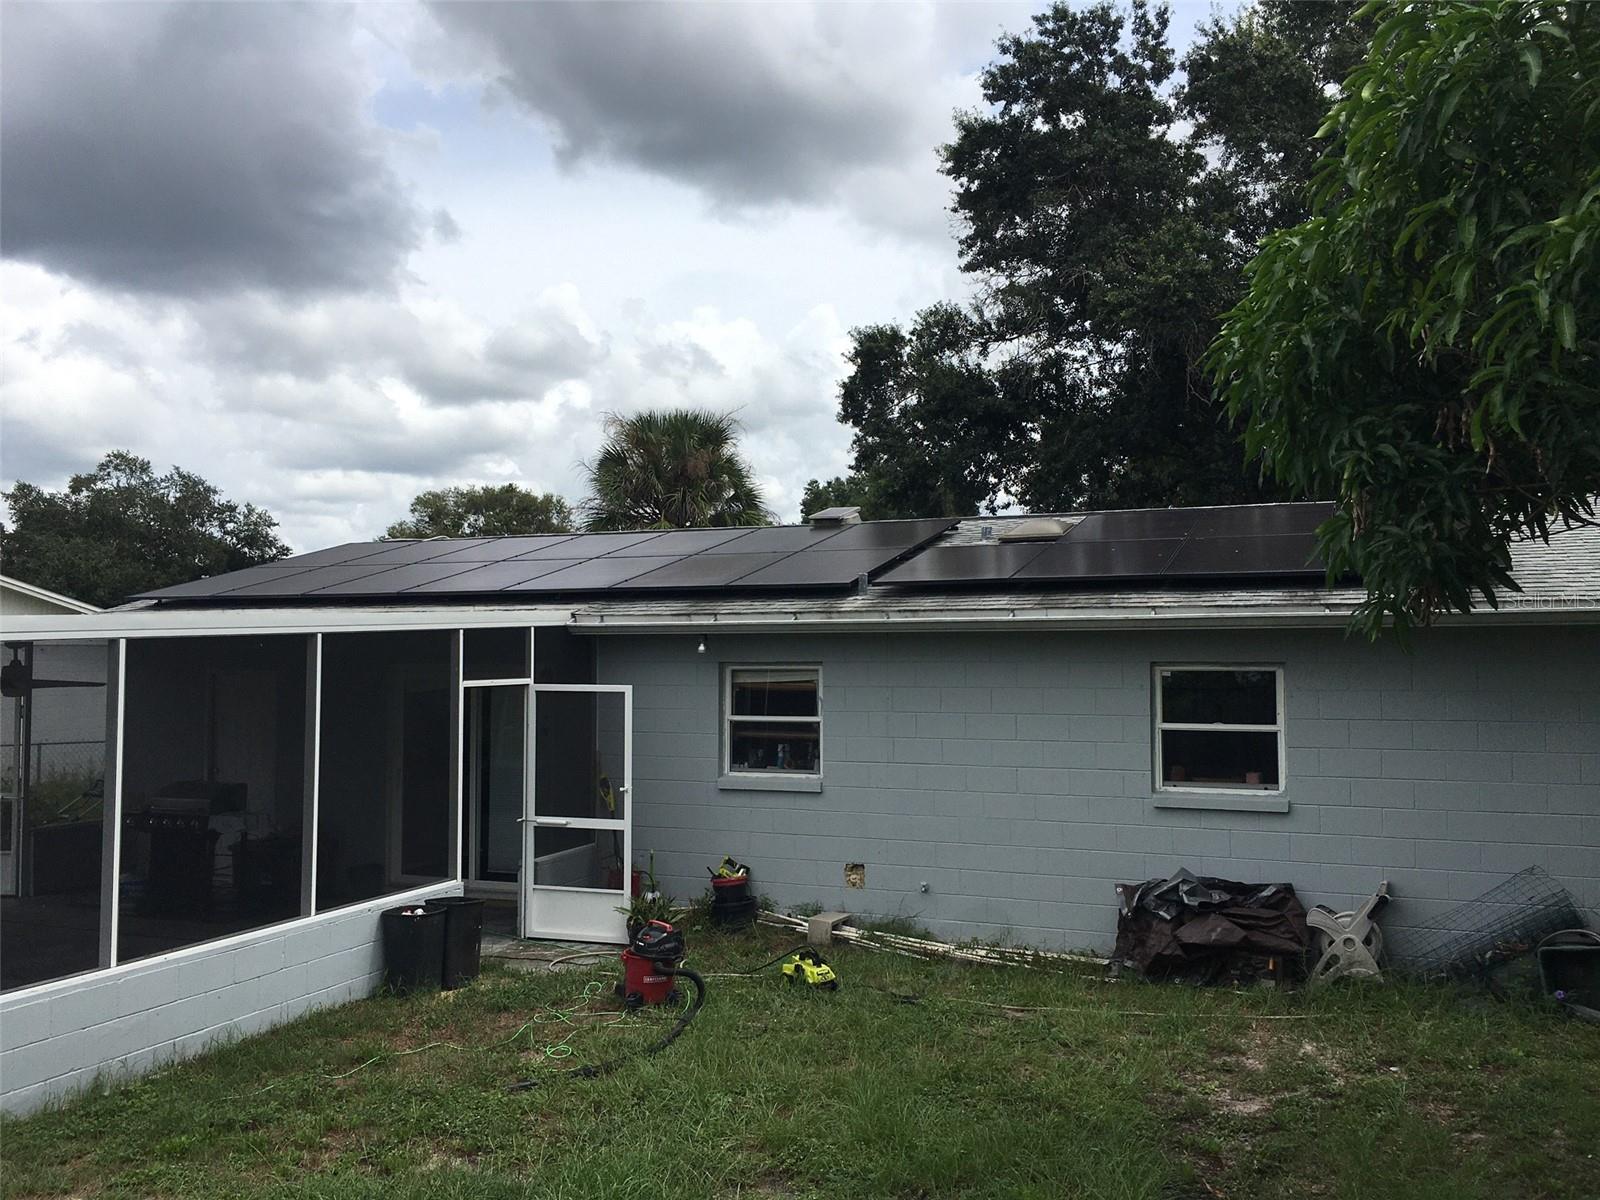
(1566, 325)
(1533, 60)
(1451, 99)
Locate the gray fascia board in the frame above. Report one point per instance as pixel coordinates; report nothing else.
(921, 622)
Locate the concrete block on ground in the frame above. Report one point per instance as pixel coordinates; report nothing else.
(819, 929)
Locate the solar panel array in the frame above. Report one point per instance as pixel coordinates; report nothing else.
(789, 557)
(1258, 541)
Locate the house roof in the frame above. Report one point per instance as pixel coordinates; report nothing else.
(44, 597)
(908, 574)
(1560, 581)
(1177, 546)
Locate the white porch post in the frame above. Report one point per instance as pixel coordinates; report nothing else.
(111, 803)
(457, 732)
(311, 797)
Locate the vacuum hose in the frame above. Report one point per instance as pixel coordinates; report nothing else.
(678, 1026)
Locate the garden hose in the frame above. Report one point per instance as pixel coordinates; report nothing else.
(771, 962)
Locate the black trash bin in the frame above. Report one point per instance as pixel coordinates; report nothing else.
(413, 947)
(733, 914)
(463, 934)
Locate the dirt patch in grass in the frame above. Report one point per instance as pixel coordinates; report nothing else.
(337, 1146)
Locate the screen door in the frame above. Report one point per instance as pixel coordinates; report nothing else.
(577, 841)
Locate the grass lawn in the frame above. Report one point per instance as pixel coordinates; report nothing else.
(991, 1082)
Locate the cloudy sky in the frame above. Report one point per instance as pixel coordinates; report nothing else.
(330, 256)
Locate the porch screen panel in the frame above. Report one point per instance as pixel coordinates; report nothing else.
(213, 789)
(384, 789)
(53, 738)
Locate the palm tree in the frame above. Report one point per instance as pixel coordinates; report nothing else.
(671, 469)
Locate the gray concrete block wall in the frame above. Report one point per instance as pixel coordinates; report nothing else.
(1011, 772)
(63, 1037)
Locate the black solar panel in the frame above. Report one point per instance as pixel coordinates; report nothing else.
(348, 552)
(421, 551)
(817, 568)
(1241, 541)
(889, 535)
(1260, 520)
(595, 574)
(394, 580)
(301, 583)
(214, 585)
(590, 545)
(964, 564)
(1067, 559)
(1283, 554)
(703, 570)
(493, 577)
(1133, 525)
(680, 541)
(499, 549)
(772, 539)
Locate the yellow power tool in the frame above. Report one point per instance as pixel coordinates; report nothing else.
(808, 967)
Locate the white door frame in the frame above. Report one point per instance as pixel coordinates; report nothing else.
(576, 913)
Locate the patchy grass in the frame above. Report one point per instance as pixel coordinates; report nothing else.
(914, 1080)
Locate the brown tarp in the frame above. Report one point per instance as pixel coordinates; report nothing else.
(1206, 929)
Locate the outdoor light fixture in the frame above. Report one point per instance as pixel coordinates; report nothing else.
(701, 648)
(16, 678)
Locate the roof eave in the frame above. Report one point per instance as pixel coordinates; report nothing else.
(1300, 617)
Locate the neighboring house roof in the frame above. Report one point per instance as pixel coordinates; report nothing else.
(23, 599)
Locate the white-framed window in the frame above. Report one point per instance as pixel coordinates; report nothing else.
(772, 720)
(1218, 728)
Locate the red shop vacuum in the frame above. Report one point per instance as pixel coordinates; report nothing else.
(650, 966)
(651, 970)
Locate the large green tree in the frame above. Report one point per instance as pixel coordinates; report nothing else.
(122, 529)
(672, 469)
(933, 432)
(1106, 203)
(1426, 347)
(490, 510)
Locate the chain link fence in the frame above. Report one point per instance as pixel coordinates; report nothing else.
(65, 779)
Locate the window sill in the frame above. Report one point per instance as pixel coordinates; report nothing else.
(769, 783)
(1269, 802)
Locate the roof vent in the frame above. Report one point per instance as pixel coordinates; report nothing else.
(1034, 529)
(844, 515)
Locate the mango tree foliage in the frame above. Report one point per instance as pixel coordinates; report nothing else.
(1424, 347)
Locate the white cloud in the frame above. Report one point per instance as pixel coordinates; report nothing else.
(322, 411)
(329, 257)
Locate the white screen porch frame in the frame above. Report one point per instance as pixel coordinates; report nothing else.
(575, 913)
